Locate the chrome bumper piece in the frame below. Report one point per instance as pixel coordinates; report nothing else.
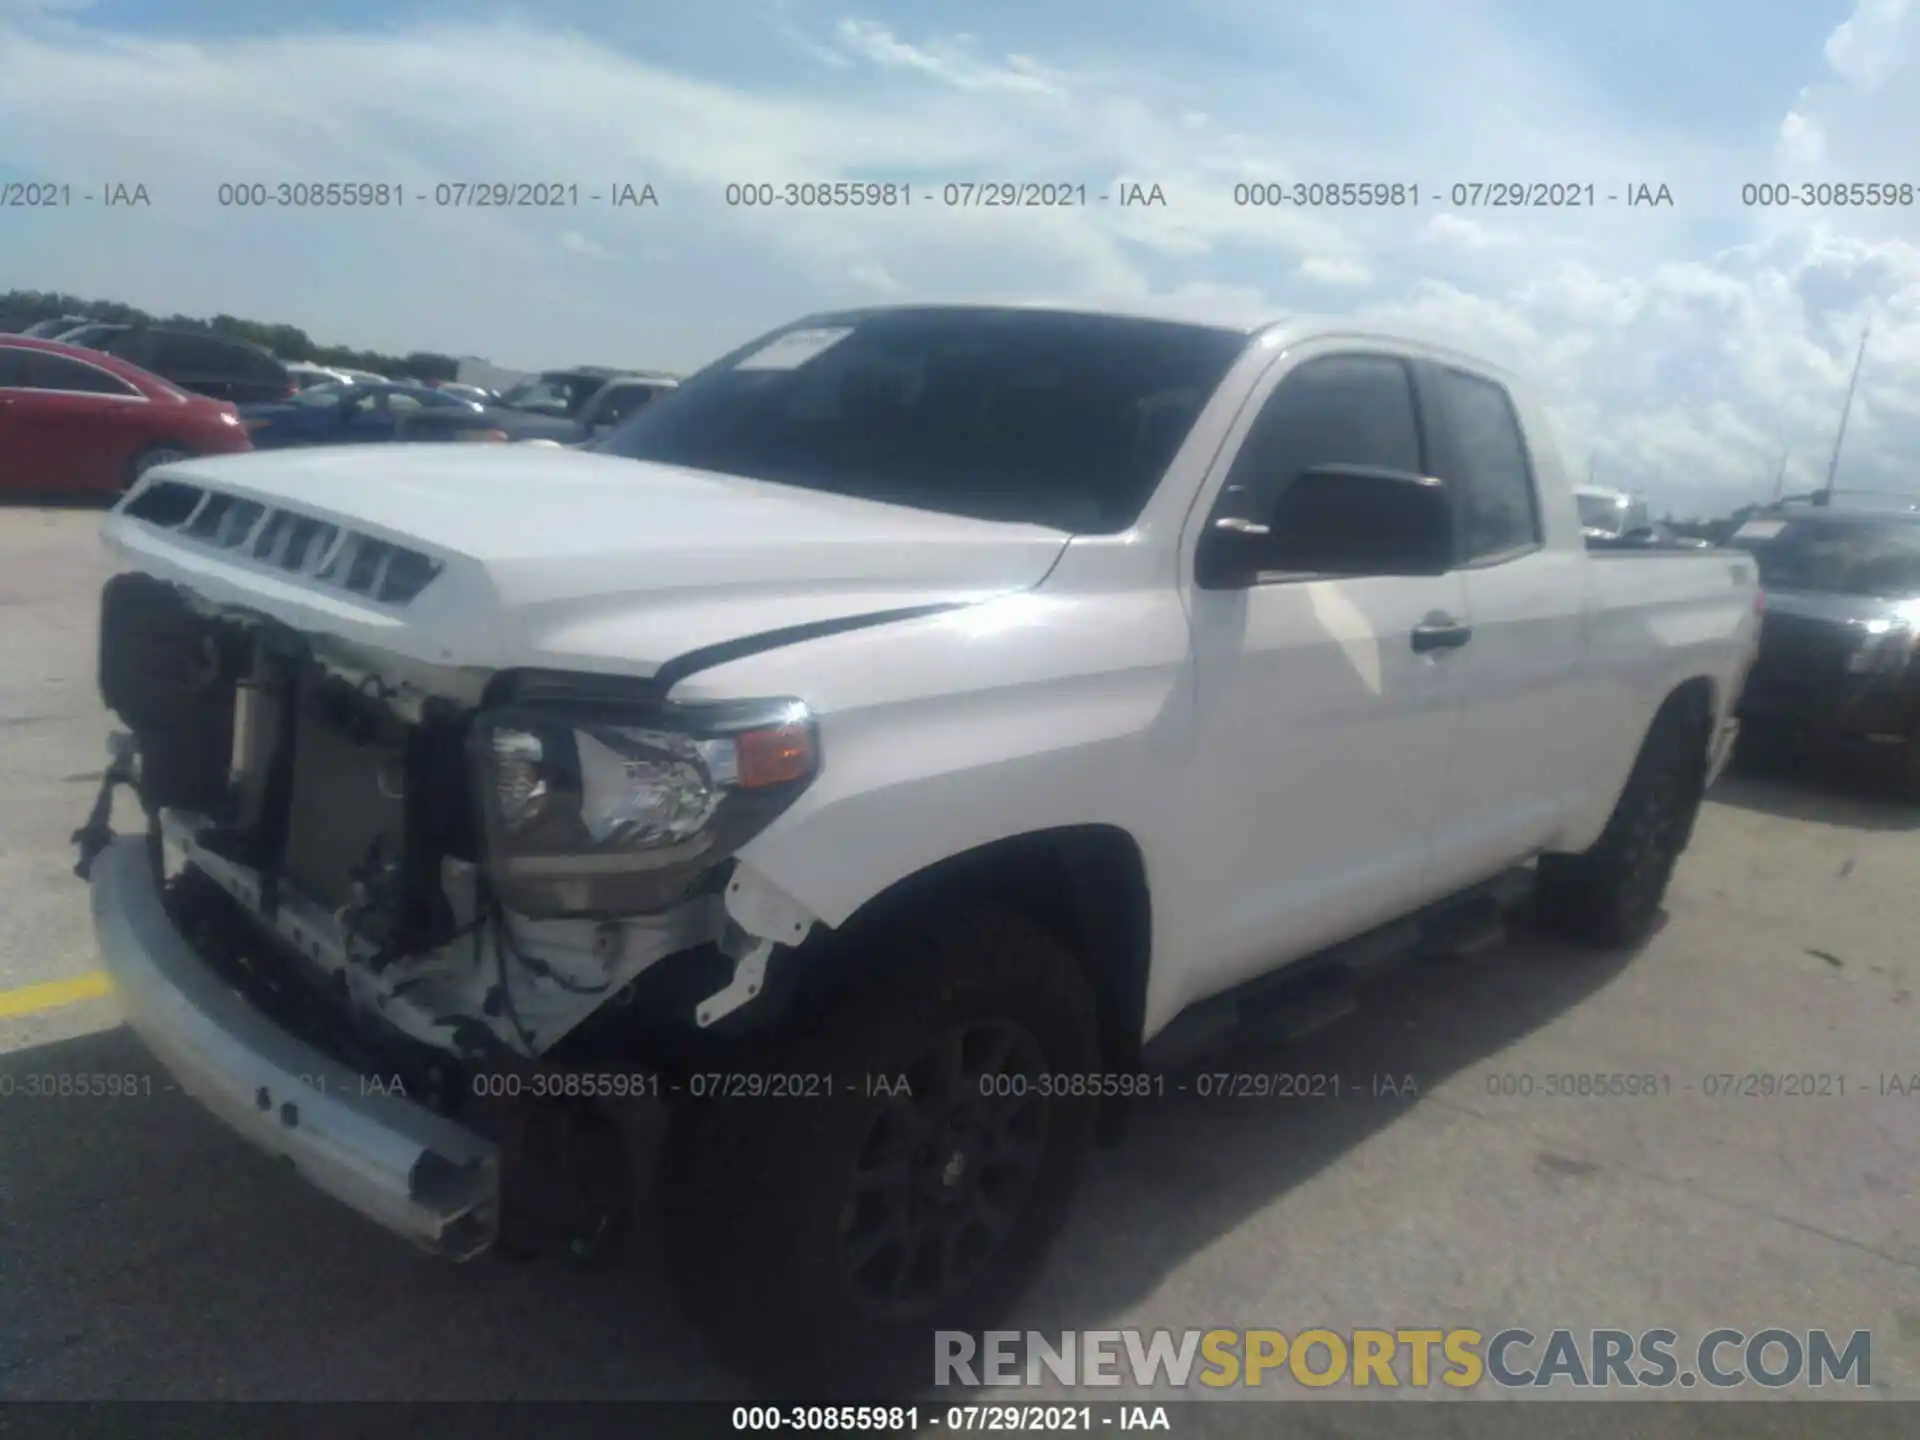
(413, 1171)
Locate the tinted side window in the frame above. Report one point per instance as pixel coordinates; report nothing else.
(258, 365)
(56, 372)
(623, 402)
(198, 353)
(9, 365)
(1493, 491)
(1341, 410)
(135, 346)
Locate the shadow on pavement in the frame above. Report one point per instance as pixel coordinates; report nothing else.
(1828, 790)
(145, 1252)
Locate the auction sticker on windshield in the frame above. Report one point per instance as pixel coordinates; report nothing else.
(794, 349)
(1759, 529)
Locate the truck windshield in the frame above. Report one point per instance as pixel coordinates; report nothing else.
(1035, 416)
(1865, 557)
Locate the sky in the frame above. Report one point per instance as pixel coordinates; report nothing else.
(1684, 348)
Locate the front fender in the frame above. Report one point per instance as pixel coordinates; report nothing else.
(948, 732)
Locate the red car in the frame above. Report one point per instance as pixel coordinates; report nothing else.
(77, 421)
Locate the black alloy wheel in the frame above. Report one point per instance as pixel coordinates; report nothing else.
(946, 1170)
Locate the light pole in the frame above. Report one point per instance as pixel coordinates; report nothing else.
(1833, 465)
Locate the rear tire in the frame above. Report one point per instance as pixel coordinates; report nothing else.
(820, 1242)
(1609, 896)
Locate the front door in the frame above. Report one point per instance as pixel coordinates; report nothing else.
(1324, 728)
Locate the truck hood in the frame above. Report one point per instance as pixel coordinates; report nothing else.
(551, 558)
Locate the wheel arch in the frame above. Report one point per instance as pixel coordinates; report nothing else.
(1693, 701)
(1086, 885)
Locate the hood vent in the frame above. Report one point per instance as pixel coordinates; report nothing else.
(286, 540)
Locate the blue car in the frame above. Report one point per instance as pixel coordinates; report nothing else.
(367, 414)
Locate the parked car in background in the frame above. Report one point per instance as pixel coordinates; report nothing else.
(1654, 535)
(551, 413)
(616, 400)
(54, 328)
(479, 395)
(367, 414)
(563, 394)
(74, 421)
(611, 402)
(217, 366)
(1607, 514)
(1839, 662)
(1016, 703)
(363, 377)
(306, 376)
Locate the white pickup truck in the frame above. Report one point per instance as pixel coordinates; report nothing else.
(819, 806)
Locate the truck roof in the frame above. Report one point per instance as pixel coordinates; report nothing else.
(1226, 313)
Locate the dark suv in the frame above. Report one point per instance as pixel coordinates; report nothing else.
(1839, 659)
(217, 366)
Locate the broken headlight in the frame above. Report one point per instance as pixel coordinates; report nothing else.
(596, 812)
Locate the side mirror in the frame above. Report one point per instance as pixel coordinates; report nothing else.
(1336, 520)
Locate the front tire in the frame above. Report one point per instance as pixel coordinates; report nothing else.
(1609, 896)
(820, 1242)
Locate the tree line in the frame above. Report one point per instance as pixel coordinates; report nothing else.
(21, 308)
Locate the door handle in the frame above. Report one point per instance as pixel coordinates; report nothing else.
(1440, 632)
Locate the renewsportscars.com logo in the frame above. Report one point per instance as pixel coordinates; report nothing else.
(1404, 1359)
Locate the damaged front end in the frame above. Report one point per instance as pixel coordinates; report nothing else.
(450, 883)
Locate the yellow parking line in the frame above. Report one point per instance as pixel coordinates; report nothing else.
(32, 999)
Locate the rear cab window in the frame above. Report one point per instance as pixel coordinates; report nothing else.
(1485, 464)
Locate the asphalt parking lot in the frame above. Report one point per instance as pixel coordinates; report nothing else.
(144, 1253)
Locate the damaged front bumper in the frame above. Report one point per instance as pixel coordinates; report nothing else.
(400, 1164)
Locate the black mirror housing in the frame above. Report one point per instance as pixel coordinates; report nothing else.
(1336, 520)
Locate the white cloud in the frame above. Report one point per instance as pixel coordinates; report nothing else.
(1868, 48)
(576, 243)
(1801, 143)
(877, 278)
(950, 62)
(1457, 230)
(1685, 347)
(1335, 271)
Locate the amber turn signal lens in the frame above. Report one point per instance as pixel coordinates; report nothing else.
(774, 757)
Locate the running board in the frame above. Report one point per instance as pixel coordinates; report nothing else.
(1317, 991)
